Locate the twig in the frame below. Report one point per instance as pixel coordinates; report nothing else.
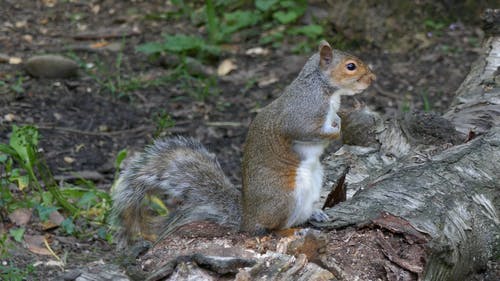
(91, 133)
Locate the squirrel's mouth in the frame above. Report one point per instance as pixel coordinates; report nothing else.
(365, 81)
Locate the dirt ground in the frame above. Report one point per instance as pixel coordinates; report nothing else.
(83, 124)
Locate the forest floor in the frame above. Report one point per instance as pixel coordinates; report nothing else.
(123, 99)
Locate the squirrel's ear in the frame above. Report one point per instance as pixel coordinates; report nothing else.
(325, 54)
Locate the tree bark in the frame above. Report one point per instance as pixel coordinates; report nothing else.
(450, 199)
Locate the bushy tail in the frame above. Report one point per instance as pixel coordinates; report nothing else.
(189, 180)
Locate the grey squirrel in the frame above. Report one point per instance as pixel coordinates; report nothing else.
(282, 173)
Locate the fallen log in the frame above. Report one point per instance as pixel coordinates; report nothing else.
(445, 197)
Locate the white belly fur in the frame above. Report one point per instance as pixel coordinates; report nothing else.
(308, 181)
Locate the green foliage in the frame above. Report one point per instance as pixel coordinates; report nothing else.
(265, 5)
(272, 21)
(25, 167)
(12, 273)
(162, 121)
(18, 86)
(425, 100)
(68, 226)
(17, 233)
(434, 25)
(120, 156)
(112, 78)
(4, 245)
(199, 87)
(180, 44)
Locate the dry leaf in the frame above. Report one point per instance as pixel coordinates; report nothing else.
(9, 117)
(257, 51)
(268, 80)
(225, 67)
(95, 9)
(28, 38)
(36, 244)
(20, 216)
(21, 24)
(49, 3)
(99, 44)
(55, 220)
(15, 60)
(56, 217)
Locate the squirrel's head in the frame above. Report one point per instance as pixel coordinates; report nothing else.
(343, 70)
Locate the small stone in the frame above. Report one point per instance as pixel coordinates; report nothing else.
(51, 66)
(57, 116)
(9, 117)
(69, 160)
(4, 58)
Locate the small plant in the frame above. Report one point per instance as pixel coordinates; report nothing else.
(13, 273)
(425, 100)
(180, 44)
(16, 87)
(24, 166)
(163, 121)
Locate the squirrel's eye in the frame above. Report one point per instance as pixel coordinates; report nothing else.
(350, 66)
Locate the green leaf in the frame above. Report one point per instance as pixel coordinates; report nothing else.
(150, 48)
(122, 154)
(240, 19)
(286, 17)
(22, 182)
(44, 212)
(17, 234)
(181, 43)
(24, 141)
(68, 226)
(88, 199)
(311, 31)
(47, 198)
(265, 5)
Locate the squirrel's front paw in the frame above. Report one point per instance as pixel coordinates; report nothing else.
(332, 125)
(319, 215)
(336, 122)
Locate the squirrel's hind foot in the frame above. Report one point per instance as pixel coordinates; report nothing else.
(319, 216)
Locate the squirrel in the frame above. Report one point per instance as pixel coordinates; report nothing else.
(281, 169)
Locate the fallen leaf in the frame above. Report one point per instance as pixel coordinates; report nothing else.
(28, 38)
(268, 80)
(56, 217)
(225, 67)
(49, 3)
(9, 117)
(95, 9)
(21, 24)
(20, 216)
(257, 51)
(36, 244)
(99, 44)
(15, 60)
